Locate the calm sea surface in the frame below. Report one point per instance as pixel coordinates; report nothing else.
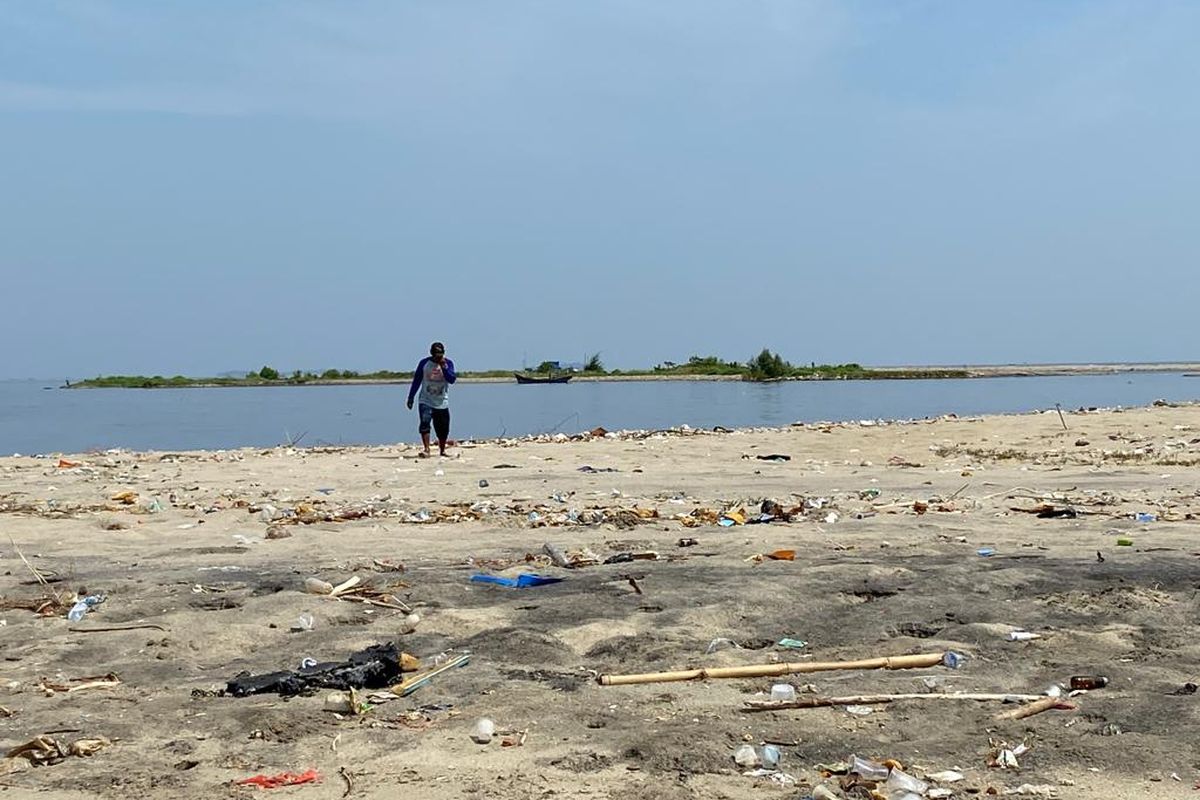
(34, 419)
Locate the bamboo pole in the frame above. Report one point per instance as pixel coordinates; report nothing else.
(872, 699)
(919, 661)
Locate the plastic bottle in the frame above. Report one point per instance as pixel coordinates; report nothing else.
(84, 605)
(746, 756)
(783, 692)
(953, 660)
(769, 755)
(483, 731)
(868, 770)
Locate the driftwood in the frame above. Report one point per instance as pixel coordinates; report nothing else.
(872, 699)
(787, 668)
(1036, 707)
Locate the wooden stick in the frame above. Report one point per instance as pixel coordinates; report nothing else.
(764, 670)
(24, 560)
(103, 628)
(397, 606)
(871, 699)
(410, 685)
(1036, 707)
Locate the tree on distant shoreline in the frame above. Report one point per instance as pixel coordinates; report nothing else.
(767, 365)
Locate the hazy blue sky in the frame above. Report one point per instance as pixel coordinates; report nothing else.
(201, 186)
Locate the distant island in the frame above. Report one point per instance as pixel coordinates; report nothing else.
(765, 367)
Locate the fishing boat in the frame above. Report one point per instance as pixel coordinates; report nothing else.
(523, 379)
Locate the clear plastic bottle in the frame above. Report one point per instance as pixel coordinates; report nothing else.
(784, 692)
(867, 769)
(769, 755)
(746, 756)
(83, 605)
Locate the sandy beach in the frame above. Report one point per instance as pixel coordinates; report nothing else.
(913, 537)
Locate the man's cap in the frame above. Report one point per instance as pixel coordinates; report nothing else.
(437, 347)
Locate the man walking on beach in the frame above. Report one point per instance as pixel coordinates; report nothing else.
(433, 377)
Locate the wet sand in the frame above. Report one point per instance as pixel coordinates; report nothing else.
(871, 577)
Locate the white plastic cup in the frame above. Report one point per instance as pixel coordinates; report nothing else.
(783, 692)
(483, 731)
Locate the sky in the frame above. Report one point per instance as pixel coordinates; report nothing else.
(191, 188)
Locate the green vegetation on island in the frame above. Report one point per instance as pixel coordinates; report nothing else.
(766, 366)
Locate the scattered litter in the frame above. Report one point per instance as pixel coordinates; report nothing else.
(774, 555)
(304, 622)
(422, 679)
(867, 769)
(347, 702)
(859, 710)
(317, 586)
(1089, 682)
(1004, 756)
(792, 644)
(774, 457)
(42, 751)
(986, 552)
(953, 660)
(522, 581)
(1023, 636)
(1031, 790)
(945, 776)
(902, 785)
(483, 731)
(282, 779)
(71, 685)
(783, 692)
(1143, 516)
(916, 661)
(376, 667)
(83, 605)
(746, 757)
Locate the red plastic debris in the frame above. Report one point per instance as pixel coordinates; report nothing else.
(282, 779)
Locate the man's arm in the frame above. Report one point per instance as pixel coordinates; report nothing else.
(418, 374)
(448, 371)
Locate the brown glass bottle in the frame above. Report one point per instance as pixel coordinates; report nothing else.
(1088, 682)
